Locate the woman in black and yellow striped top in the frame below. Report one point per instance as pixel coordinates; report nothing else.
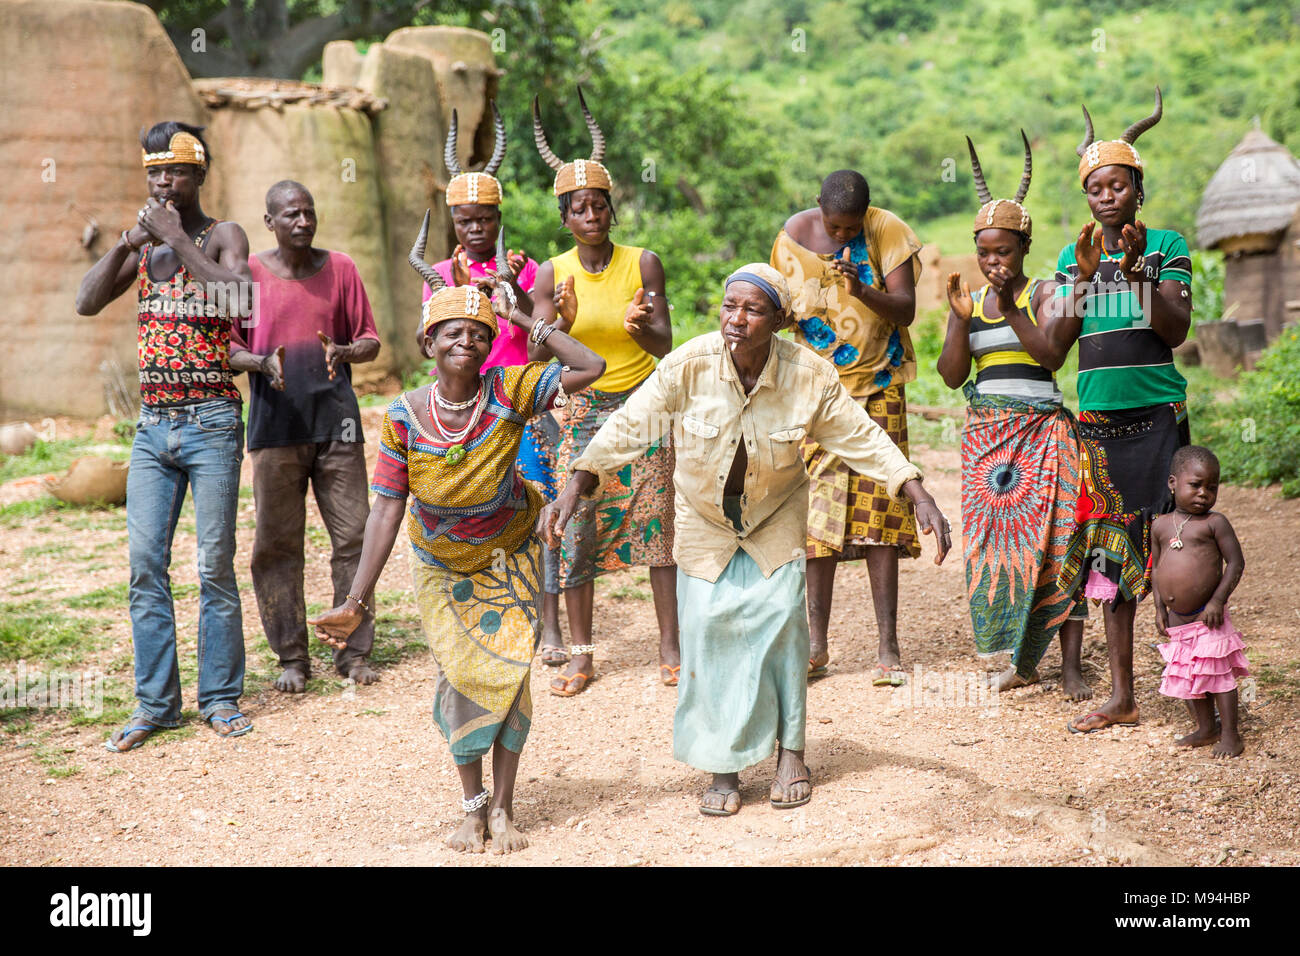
(1019, 450)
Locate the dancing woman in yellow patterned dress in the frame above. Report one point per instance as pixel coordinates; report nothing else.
(452, 447)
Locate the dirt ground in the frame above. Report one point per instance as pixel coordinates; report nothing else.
(927, 774)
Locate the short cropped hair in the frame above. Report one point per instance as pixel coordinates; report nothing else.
(158, 137)
(845, 191)
(1190, 455)
(286, 186)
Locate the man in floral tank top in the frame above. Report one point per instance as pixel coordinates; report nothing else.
(191, 275)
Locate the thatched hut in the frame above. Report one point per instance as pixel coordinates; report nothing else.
(1251, 213)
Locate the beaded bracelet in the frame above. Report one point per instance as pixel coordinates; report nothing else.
(539, 332)
(560, 398)
(363, 604)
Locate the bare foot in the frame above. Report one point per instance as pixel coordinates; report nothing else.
(1230, 745)
(292, 681)
(791, 786)
(1073, 684)
(1200, 737)
(1009, 679)
(363, 673)
(468, 837)
(505, 838)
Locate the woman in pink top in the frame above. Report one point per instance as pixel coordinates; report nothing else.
(475, 204)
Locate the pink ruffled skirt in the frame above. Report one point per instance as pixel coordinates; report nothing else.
(1200, 660)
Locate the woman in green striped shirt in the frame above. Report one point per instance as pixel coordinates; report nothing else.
(1129, 288)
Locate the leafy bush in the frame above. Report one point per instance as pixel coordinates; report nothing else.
(1257, 435)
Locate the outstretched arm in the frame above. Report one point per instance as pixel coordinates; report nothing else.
(644, 418)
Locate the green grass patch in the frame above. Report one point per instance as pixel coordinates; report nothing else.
(39, 550)
(111, 595)
(48, 456)
(49, 639)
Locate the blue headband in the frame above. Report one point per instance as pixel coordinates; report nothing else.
(762, 283)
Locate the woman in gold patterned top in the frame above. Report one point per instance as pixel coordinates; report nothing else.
(852, 271)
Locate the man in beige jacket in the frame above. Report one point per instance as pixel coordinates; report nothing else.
(738, 402)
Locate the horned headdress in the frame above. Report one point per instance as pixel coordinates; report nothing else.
(581, 173)
(1002, 213)
(475, 187)
(456, 302)
(1114, 152)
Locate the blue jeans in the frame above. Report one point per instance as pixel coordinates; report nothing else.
(200, 446)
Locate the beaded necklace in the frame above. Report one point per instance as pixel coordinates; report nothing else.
(456, 453)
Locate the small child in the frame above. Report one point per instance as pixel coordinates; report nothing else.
(1197, 562)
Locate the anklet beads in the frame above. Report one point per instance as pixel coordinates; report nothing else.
(473, 804)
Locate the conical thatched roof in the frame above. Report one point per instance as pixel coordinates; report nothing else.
(1255, 193)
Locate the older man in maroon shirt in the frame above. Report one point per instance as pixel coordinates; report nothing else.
(312, 321)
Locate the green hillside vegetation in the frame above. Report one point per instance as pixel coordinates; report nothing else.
(722, 117)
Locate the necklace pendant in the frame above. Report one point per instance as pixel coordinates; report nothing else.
(455, 454)
(1176, 543)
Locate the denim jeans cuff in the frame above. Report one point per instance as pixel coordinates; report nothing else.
(223, 705)
(154, 719)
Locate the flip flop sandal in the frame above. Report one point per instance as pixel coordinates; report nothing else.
(554, 649)
(889, 677)
(127, 731)
(815, 671)
(669, 675)
(1069, 724)
(228, 721)
(561, 685)
(790, 805)
(719, 811)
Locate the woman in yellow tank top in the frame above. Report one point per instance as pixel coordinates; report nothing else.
(621, 314)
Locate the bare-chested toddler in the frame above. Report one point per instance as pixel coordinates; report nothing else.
(1197, 562)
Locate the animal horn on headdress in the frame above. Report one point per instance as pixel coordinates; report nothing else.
(499, 150)
(449, 151)
(1023, 191)
(1141, 126)
(503, 262)
(981, 188)
(539, 137)
(416, 258)
(1088, 135)
(597, 137)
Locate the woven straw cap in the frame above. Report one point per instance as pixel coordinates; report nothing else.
(1004, 214)
(582, 174)
(183, 148)
(460, 302)
(1111, 152)
(468, 188)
